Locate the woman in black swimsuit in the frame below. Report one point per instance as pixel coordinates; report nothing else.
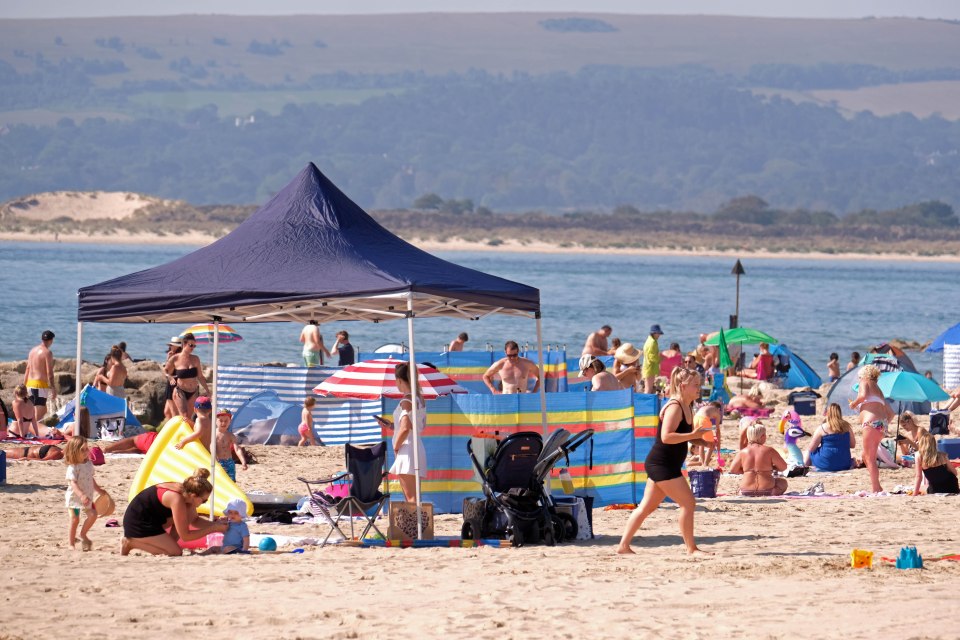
(170, 505)
(188, 372)
(41, 452)
(665, 460)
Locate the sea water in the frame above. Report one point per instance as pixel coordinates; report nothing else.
(815, 306)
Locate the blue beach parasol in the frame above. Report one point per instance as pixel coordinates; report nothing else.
(906, 386)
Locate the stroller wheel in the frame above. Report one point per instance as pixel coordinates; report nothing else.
(569, 525)
(514, 536)
(548, 538)
(557, 529)
(471, 530)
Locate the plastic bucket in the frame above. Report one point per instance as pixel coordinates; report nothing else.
(704, 483)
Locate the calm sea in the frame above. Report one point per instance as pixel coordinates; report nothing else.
(815, 306)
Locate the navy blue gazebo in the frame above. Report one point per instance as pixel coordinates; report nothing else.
(310, 253)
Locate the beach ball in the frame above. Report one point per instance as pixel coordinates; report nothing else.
(267, 544)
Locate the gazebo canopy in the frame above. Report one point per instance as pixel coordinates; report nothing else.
(310, 253)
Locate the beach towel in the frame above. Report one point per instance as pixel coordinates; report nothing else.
(753, 413)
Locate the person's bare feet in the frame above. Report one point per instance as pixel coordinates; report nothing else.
(625, 550)
(86, 544)
(125, 546)
(699, 553)
(73, 544)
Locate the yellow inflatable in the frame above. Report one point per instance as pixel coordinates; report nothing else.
(164, 463)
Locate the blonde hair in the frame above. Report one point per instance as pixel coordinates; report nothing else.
(309, 401)
(870, 372)
(756, 432)
(907, 416)
(21, 391)
(927, 454)
(197, 484)
(73, 452)
(678, 377)
(835, 421)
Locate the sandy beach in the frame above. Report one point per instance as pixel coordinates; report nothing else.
(784, 562)
(196, 239)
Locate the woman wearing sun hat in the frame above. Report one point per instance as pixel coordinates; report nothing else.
(626, 366)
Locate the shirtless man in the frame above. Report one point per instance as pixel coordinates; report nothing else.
(600, 379)
(313, 348)
(457, 343)
(757, 463)
(116, 374)
(596, 344)
(513, 370)
(39, 374)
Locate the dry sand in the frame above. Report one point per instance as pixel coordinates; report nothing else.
(781, 564)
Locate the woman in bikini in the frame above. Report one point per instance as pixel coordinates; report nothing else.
(665, 460)
(874, 415)
(757, 462)
(45, 452)
(186, 369)
(170, 505)
(24, 413)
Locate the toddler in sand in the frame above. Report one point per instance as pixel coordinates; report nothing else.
(709, 416)
(236, 539)
(305, 429)
(81, 490)
(227, 444)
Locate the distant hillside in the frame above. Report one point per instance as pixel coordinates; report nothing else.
(548, 111)
(290, 49)
(45, 207)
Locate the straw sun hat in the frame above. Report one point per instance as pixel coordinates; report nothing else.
(104, 505)
(627, 353)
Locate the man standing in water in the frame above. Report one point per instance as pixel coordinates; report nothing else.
(39, 374)
(596, 344)
(514, 372)
(313, 348)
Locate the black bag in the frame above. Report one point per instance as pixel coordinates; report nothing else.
(939, 423)
(281, 517)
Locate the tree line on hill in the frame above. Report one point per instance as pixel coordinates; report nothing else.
(682, 138)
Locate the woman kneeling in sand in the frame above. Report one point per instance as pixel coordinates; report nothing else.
(168, 504)
(757, 463)
(666, 457)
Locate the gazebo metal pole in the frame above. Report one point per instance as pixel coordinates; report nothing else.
(543, 377)
(213, 427)
(416, 413)
(79, 384)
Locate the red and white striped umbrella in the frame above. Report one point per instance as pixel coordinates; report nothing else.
(373, 379)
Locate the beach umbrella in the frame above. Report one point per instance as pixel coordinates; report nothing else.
(950, 336)
(203, 333)
(906, 386)
(374, 379)
(740, 335)
(725, 361)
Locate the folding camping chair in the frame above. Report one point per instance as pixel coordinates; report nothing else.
(366, 469)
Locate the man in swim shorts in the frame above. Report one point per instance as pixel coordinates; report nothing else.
(514, 372)
(313, 348)
(38, 375)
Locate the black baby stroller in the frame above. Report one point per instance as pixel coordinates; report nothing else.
(515, 506)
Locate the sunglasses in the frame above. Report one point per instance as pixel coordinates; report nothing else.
(190, 344)
(513, 355)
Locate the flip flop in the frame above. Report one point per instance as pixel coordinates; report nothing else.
(112, 522)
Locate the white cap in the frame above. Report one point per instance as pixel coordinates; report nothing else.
(237, 505)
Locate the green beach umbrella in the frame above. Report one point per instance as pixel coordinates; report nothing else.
(725, 361)
(740, 335)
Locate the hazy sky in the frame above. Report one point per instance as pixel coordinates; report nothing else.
(776, 8)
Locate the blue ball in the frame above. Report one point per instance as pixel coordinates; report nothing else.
(267, 544)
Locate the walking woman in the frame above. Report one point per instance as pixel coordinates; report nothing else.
(875, 413)
(665, 460)
(186, 369)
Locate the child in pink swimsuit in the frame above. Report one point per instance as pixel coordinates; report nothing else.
(307, 436)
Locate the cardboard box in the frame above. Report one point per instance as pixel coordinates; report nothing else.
(403, 520)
